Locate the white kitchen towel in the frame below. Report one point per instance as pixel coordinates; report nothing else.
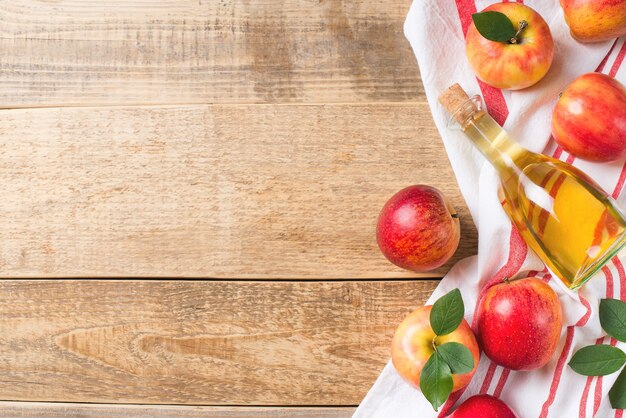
(435, 29)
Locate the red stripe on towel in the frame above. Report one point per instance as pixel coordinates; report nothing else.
(503, 378)
(606, 58)
(488, 377)
(620, 182)
(610, 284)
(583, 321)
(582, 409)
(556, 379)
(450, 402)
(618, 61)
(597, 396)
(465, 8)
(517, 254)
(496, 105)
(622, 277)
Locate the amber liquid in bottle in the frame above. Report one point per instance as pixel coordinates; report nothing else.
(573, 225)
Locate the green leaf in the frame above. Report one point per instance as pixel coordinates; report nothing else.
(494, 26)
(613, 318)
(447, 313)
(617, 394)
(597, 360)
(436, 381)
(457, 357)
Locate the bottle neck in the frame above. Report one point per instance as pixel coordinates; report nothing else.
(506, 155)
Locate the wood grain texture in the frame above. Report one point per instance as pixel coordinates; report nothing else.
(69, 52)
(198, 342)
(69, 410)
(234, 191)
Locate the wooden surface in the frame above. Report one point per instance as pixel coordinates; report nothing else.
(193, 342)
(67, 52)
(73, 410)
(286, 192)
(220, 140)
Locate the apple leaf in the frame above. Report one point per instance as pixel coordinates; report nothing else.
(436, 381)
(457, 357)
(617, 394)
(597, 360)
(613, 318)
(447, 313)
(494, 26)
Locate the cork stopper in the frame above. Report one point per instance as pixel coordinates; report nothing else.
(455, 100)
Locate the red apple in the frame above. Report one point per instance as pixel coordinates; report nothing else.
(418, 229)
(483, 406)
(516, 63)
(415, 341)
(595, 20)
(589, 120)
(519, 323)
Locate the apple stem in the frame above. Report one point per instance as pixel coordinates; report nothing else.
(522, 26)
(506, 280)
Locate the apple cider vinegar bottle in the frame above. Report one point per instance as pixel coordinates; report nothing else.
(573, 225)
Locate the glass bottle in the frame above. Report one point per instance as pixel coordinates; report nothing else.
(573, 225)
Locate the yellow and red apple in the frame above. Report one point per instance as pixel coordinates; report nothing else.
(415, 341)
(514, 63)
(595, 20)
(519, 323)
(589, 120)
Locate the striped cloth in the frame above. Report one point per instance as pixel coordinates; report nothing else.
(436, 31)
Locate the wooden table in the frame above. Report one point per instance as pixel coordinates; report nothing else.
(190, 191)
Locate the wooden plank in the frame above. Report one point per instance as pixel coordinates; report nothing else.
(68, 52)
(198, 342)
(68, 410)
(235, 191)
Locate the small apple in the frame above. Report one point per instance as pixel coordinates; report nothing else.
(519, 323)
(418, 229)
(589, 120)
(415, 341)
(483, 406)
(595, 20)
(522, 53)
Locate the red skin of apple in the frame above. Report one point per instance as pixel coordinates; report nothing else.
(519, 323)
(589, 120)
(418, 229)
(595, 20)
(483, 406)
(412, 346)
(507, 65)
